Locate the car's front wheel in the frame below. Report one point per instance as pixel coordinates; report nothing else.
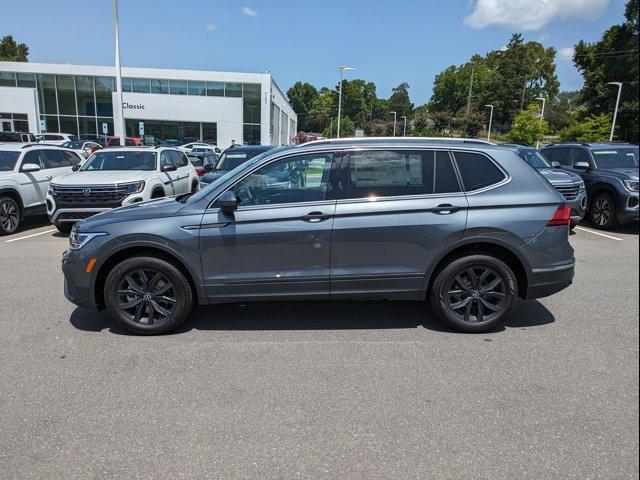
(474, 293)
(10, 216)
(603, 212)
(148, 295)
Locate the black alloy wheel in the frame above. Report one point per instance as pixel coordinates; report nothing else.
(9, 216)
(477, 294)
(146, 296)
(603, 212)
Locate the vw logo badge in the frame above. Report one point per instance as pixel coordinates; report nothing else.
(86, 192)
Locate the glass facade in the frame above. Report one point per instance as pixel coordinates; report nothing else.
(16, 122)
(166, 130)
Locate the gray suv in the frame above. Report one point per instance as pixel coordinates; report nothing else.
(466, 224)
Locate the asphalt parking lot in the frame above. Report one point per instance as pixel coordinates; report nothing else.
(321, 390)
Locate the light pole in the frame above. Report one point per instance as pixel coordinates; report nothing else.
(615, 111)
(490, 120)
(342, 68)
(395, 115)
(404, 132)
(473, 67)
(118, 72)
(541, 115)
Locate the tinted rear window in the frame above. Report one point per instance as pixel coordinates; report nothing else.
(477, 171)
(8, 160)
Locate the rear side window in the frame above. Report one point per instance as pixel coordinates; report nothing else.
(477, 171)
(388, 173)
(71, 158)
(54, 159)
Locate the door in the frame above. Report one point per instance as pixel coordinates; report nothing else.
(169, 178)
(56, 163)
(578, 154)
(183, 182)
(278, 242)
(402, 208)
(34, 185)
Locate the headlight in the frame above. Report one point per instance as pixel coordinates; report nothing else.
(51, 191)
(135, 187)
(581, 184)
(78, 240)
(631, 185)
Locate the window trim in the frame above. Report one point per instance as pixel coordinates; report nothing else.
(504, 181)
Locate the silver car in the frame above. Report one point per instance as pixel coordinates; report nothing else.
(464, 224)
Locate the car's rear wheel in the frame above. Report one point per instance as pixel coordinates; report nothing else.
(148, 295)
(10, 216)
(474, 293)
(603, 212)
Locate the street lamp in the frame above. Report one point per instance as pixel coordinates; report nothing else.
(118, 72)
(490, 120)
(541, 115)
(342, 68)
(404, 132)
(615, 111)
(395, 115)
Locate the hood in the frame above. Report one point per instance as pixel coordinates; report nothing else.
(555, 176)
(213, 176)
(163, 207)
(620, 173)
(104, 177)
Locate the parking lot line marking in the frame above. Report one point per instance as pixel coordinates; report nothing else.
(600, 234)
(29, 236)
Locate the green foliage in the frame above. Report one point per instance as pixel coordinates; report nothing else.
(472, 124)
(528, 127)
(399, 101)
(301, 96)
(11, 51)
(599, 65)
(346, 128)
(593, 128)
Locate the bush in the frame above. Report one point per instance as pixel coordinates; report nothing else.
(591, 129)
(472, 124)
(442, 121)
(528, 127)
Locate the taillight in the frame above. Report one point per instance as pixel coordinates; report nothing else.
(562, 217)
(200, 171)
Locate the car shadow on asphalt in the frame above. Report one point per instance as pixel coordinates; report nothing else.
(337, 315)
(632, 228)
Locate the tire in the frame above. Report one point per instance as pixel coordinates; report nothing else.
(158, 193)
(143, 298)
(603, 212)
(456, 277)
(64, 227)
(574, 224)
(10, 216)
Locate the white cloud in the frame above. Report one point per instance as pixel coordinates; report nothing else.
(249, 11)
(566, 53)
(211, 26)
(530, 14)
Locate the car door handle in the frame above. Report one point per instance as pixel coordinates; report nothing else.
(314, 217)
(49, 177)
(445, 209)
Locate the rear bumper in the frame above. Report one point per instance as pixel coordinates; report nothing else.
(547, 281)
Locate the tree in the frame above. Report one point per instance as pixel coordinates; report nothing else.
(613, 58)
(399, 101)
(11, 51)
(528, 127)
(593, 128)
(472, 123)
(301, 96)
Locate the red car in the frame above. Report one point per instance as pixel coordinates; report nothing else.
(129, 142)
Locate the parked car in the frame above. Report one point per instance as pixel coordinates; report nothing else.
(570, 185)
(201, 160)
(230, 159)
(119, 176)
(99, 139)
(17, 137)
(129, 142)
(467, 224)
(82, 147)
(200, 146)
(57, 138)
(610, 173)
(25, 173)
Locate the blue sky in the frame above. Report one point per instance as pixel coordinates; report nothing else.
(388, 42)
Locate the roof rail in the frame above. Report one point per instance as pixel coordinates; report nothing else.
(410, 139)
(29, 145)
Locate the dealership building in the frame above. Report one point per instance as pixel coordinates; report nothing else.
(189, 105)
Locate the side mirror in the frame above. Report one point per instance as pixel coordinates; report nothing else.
(581, 165)
(208, 168)
(169, 168)
(30, 167)
(228, 202)
(555, 164)
(75, 168)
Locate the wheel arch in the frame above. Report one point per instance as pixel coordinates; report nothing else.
(501, 249)
(15, 195)
(602, 187)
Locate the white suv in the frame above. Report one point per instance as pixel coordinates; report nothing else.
(113, 177)
(57, 138)
(25, 173)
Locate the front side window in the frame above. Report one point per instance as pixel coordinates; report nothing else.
(35, 157)
(477, 171)
(54, 159)
(8, 160)
(626, 157)
(303, 178)
(120, 161)
(579, 155)
(384, 173)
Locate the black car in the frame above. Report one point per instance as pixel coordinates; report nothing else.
(201, 160)
(610, 173)
(230, 159)
(17, 137)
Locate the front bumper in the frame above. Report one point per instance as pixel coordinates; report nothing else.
(68, 213)
(630, 208)
(578, 207)
(547, 281)
(77, 281)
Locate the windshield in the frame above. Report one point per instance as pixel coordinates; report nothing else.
(616, 157)
(8, 161)
(72, 145)
(534, 158)
(196, 161)
(120, 161)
